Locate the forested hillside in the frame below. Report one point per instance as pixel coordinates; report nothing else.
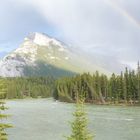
(34, 87)
(98, 88)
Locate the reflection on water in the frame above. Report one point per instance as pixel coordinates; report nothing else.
(44, 119)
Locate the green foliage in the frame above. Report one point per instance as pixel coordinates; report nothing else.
(3, 126)
(79, 125)
(21, 87)
(98, 88)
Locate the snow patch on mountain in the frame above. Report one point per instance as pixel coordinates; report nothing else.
(28, 50)
(43, 39)
(39, 50)
(27, 54)
(66, 58)
(11, 66)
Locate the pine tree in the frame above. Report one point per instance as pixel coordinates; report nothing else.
(133, 86)
(3, 126)
(138, 81)
(122, 86)
(79, 125)
(113, 87)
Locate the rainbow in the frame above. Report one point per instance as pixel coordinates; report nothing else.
(123, 12)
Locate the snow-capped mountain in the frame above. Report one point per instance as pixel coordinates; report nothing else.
(40, 55)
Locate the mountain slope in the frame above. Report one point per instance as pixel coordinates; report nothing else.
(40, 55)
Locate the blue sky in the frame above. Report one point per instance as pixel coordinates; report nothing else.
(102, 27)
(17, 21)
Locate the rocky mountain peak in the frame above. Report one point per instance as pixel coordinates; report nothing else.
(42, 39)
(41, 55)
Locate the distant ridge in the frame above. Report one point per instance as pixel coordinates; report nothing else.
(40, 55)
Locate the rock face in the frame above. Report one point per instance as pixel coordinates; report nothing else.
(41, 55)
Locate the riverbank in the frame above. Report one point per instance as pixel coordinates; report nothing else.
(92, 103)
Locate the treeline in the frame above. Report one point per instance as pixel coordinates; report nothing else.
(98, 88)
(21, 87)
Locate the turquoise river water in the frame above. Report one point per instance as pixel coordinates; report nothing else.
(45, 119)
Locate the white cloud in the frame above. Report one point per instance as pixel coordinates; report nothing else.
(79, 20)
(86, 23)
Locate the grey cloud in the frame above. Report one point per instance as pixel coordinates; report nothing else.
(85, 24)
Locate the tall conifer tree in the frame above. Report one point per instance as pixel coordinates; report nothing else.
(79, 125)
(3, 126)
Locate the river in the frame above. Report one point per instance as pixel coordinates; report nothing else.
(45, 119)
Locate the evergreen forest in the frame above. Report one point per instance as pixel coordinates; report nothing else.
(123, 88)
